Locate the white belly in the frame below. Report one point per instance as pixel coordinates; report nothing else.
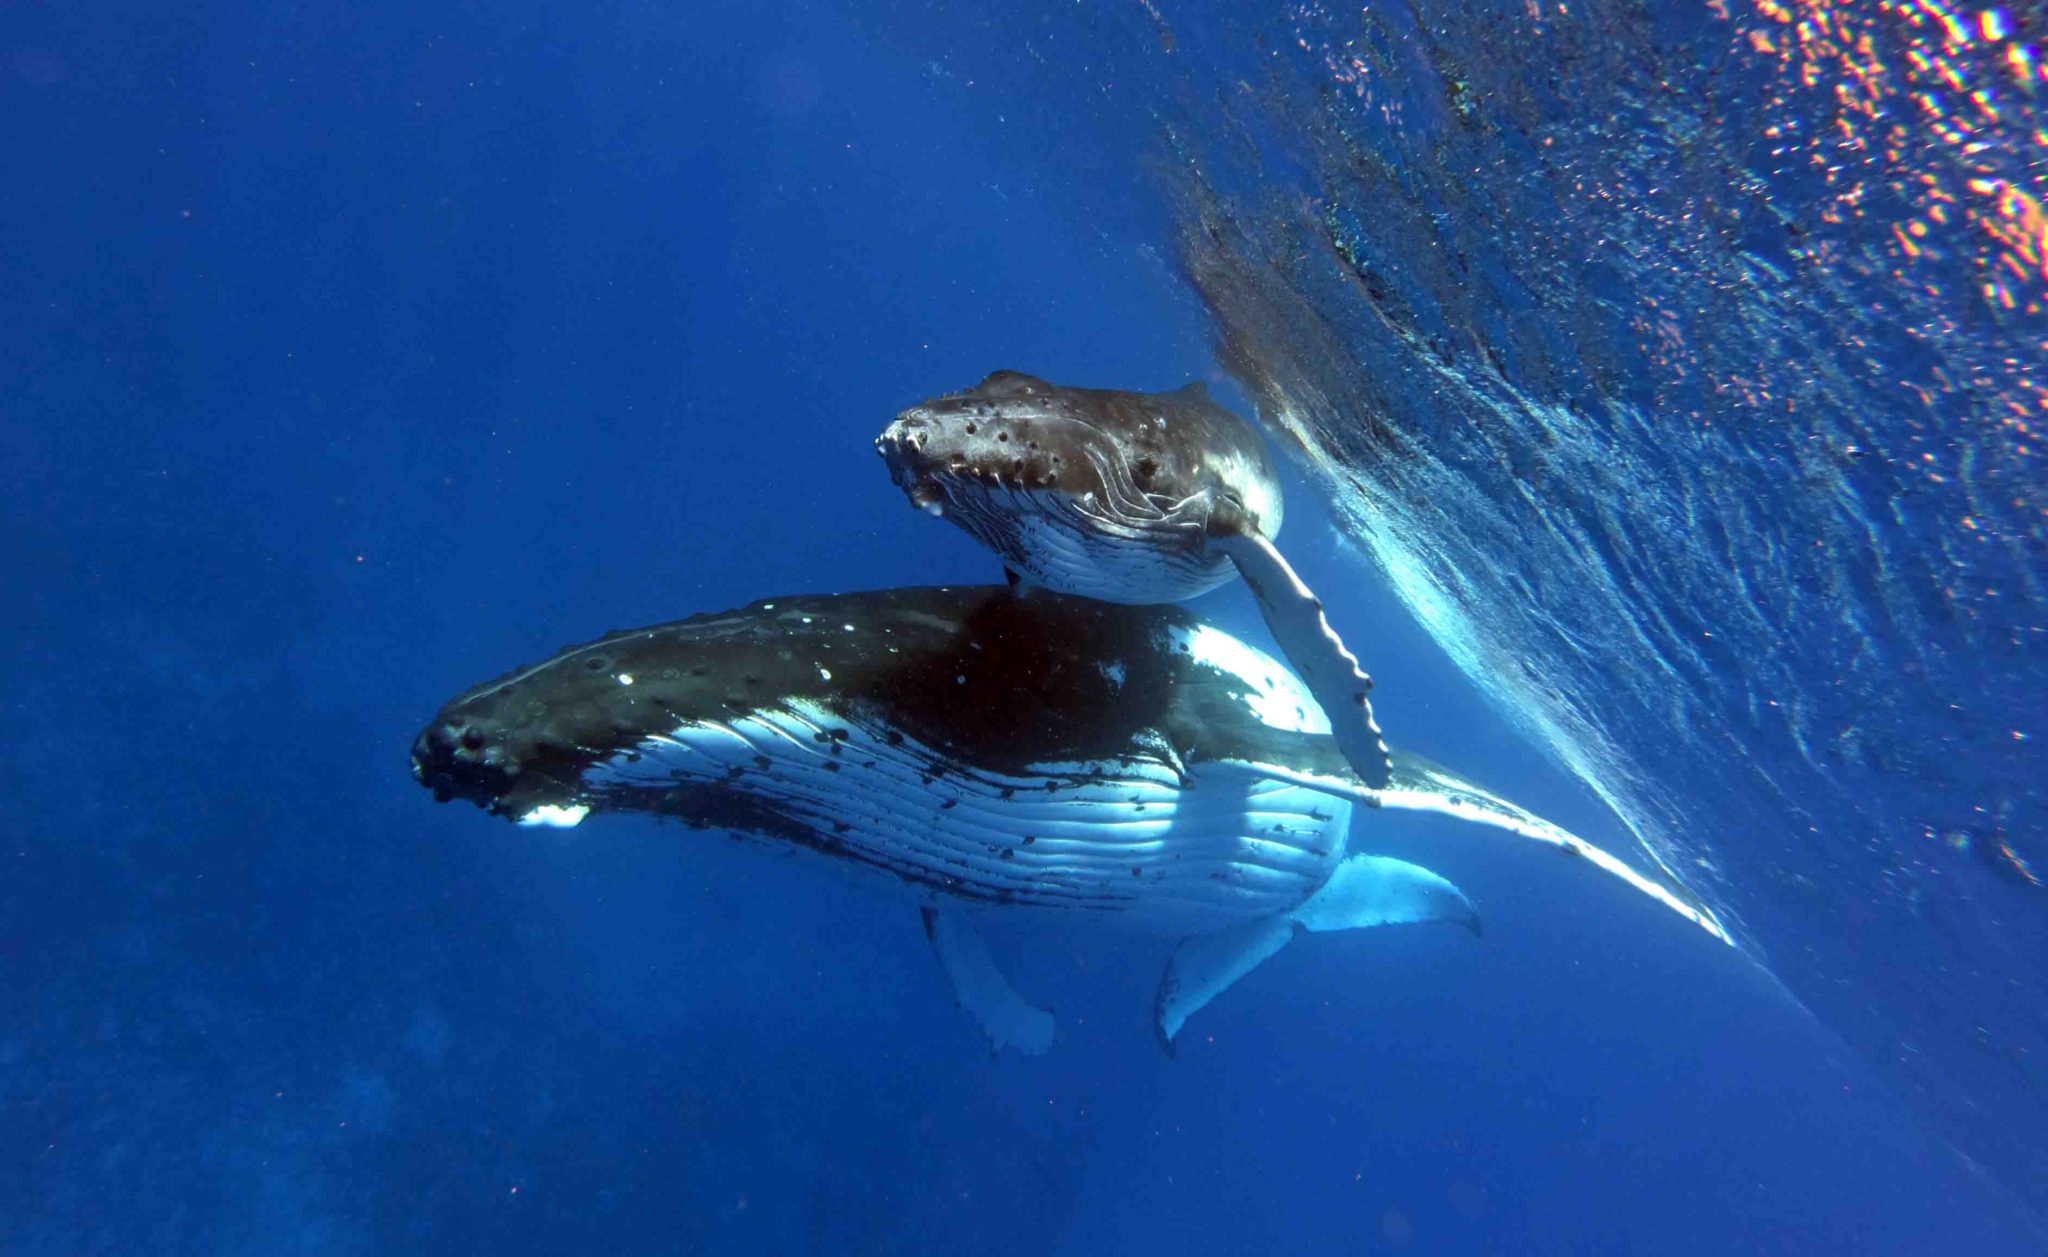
(1047, 537)
(1125, 841)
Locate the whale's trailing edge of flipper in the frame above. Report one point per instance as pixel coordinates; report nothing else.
(1365, 891)
(1007, 1019)
(1326, 666)
(1419, 785)
(1422, 786)
(1205, 965)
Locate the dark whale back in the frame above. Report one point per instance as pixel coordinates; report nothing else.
(994, 680)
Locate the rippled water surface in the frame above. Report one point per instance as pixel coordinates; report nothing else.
(1682, 369)
(1660, 386)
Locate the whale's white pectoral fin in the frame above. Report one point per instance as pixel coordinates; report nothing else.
(1421, 786)
(1006, 1018)
(1331, 672)
(1205, 965)
(1366, 890)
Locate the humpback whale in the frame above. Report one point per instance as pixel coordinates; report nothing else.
(1131, 498)
(983, 751)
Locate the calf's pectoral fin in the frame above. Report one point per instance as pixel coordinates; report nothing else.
(1366, 890)
(1330, 671)
(1007, 1019)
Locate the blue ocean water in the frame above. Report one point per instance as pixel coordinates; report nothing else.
(358, 353)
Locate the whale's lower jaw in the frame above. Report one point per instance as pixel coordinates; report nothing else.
(1056, 541)
(1130, 841)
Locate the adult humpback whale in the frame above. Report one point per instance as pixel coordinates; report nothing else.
(1130, 765)
(1133, 498)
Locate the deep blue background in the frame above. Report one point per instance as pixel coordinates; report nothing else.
(355, 353)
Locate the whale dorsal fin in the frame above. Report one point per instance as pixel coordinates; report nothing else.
(1012, 384)
(1327, 667)
(1193, 390)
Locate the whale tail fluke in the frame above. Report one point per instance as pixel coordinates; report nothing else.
(1365, 891)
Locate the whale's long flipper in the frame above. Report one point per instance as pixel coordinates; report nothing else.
(1365, 891)
(1005, 1017)
(1331, 672)
(1419, 785)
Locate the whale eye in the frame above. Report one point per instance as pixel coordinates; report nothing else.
(597, 663)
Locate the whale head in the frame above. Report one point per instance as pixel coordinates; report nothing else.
(523, 745)
(1108, 494)
(520, 746)
(1011, 431)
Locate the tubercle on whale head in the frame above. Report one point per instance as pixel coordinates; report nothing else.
(1011, 438)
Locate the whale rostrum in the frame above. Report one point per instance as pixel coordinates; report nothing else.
(985, 751)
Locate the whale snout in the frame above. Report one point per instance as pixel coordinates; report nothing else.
(919, 448)
(458, 759)
(903, 443)
(939, 449)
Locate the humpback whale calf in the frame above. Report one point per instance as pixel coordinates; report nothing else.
(1132, 498)
(985, 751)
